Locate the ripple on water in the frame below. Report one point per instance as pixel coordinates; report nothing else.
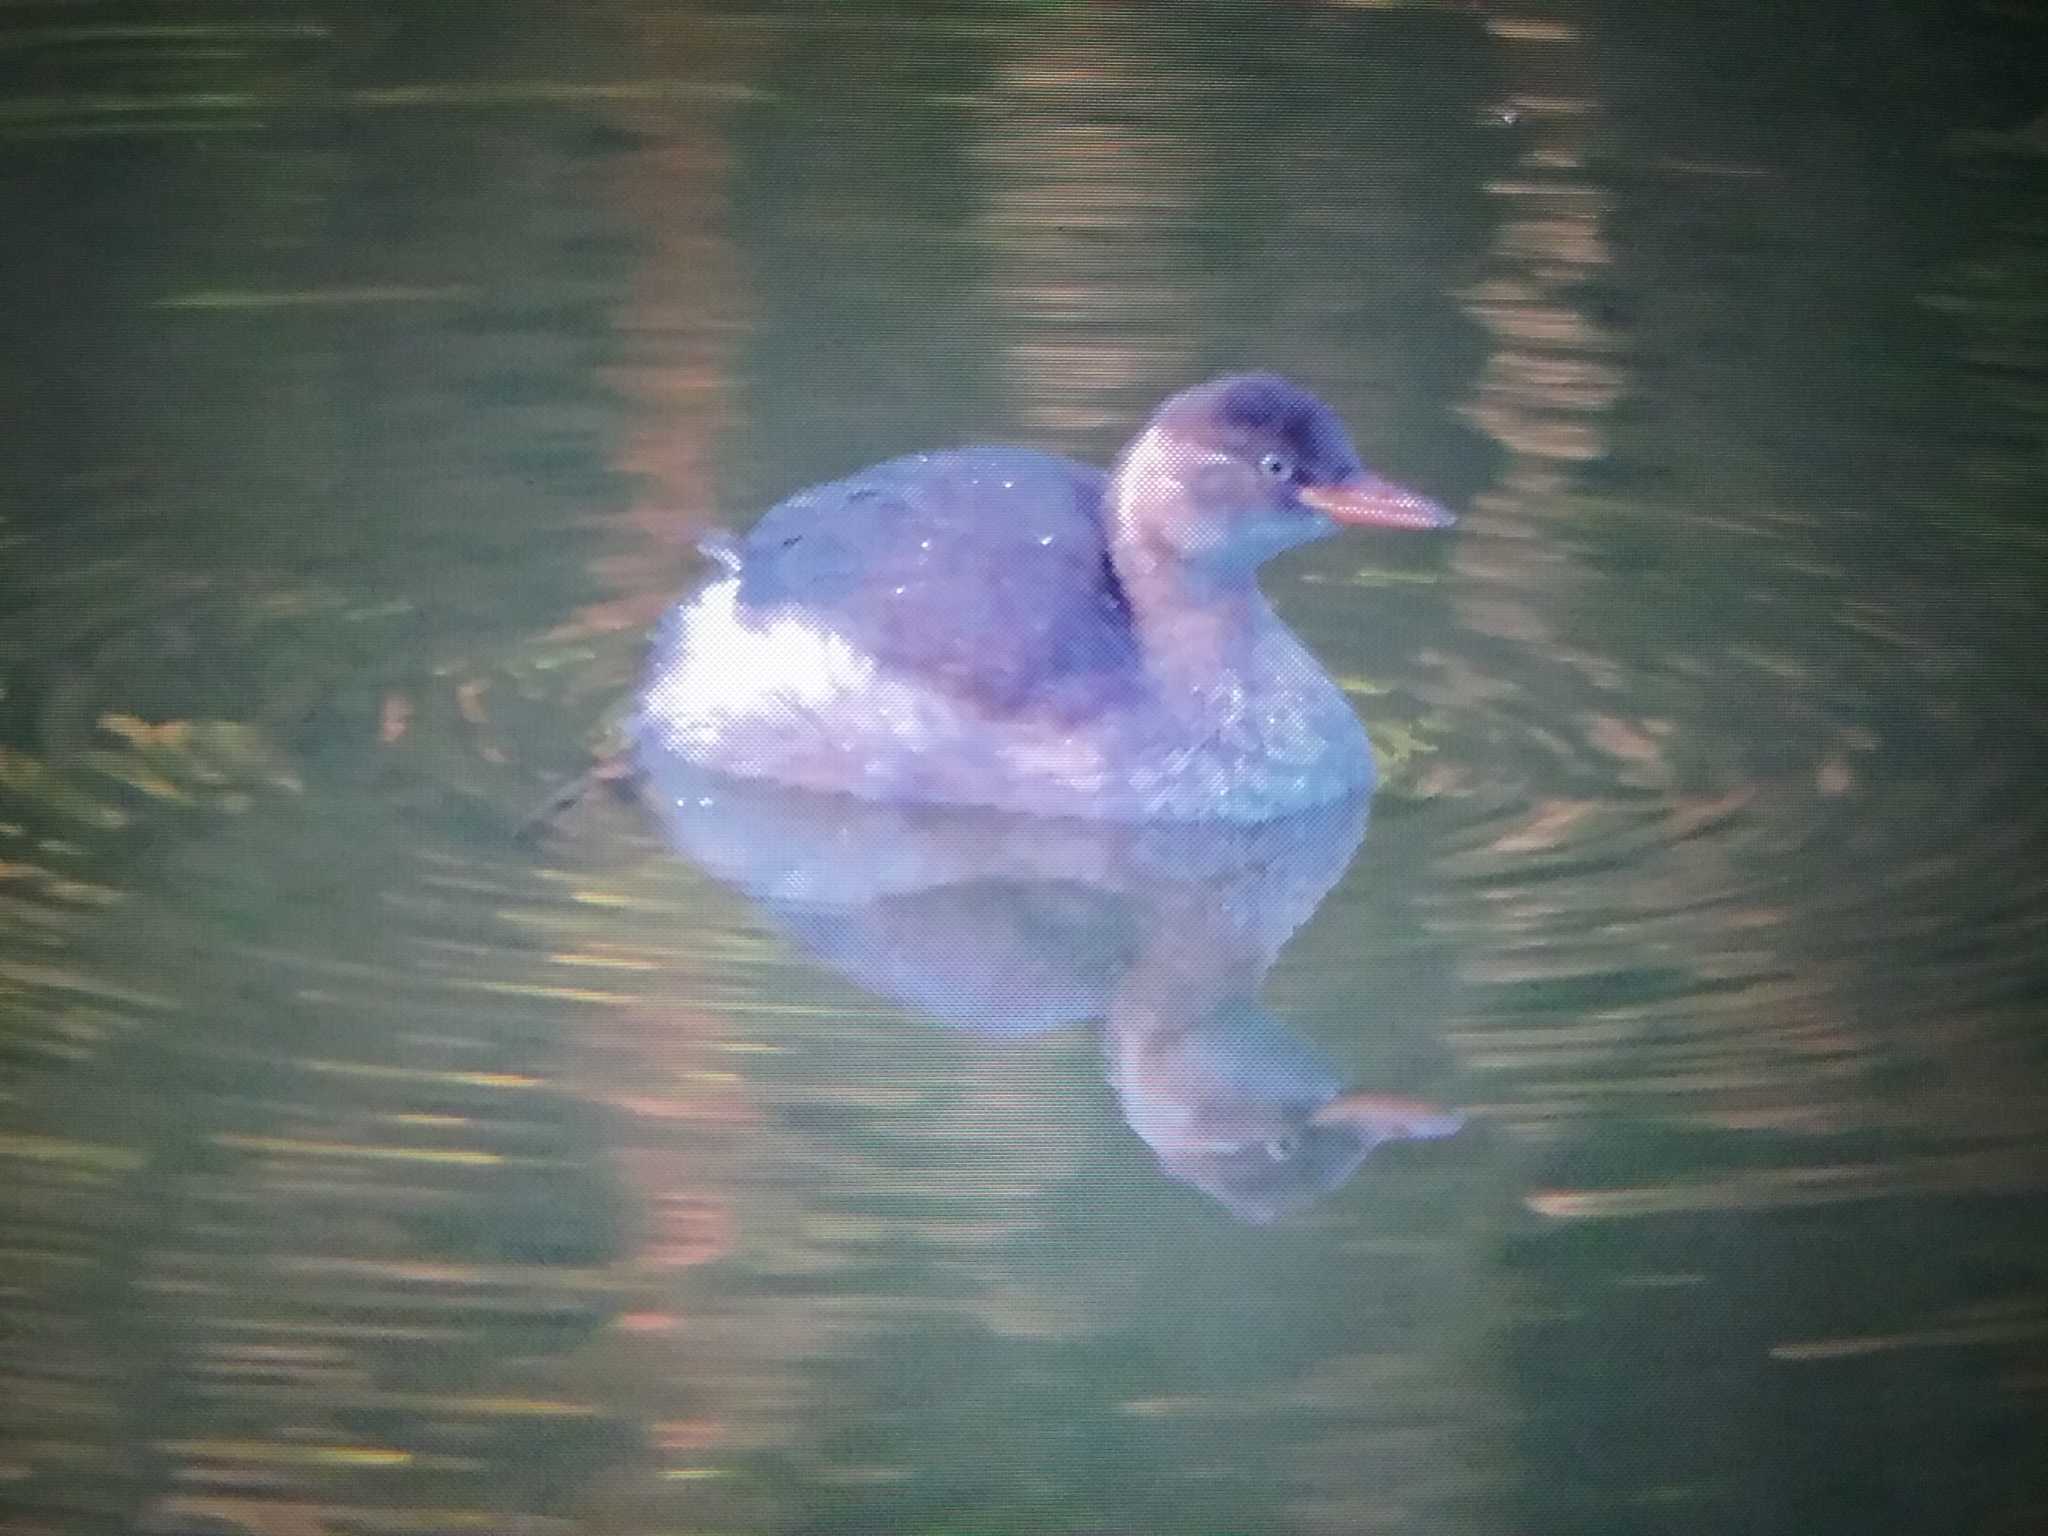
(1807, 909)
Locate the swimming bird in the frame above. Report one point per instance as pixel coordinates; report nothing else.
(1008, 628)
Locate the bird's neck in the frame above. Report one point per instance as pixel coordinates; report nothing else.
(1197, 625)
(1197, 639)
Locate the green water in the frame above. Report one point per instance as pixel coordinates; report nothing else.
(368, 376)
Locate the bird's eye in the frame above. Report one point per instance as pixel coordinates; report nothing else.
(1277, 466)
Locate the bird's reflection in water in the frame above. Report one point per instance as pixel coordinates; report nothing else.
(1006, 925)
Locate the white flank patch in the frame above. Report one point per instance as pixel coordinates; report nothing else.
(771, 694)
(721, 669)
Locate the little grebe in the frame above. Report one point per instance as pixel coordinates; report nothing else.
(1007, 628)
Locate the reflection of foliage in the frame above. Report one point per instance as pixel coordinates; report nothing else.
(32, 781)
(192, 695)
(216, 764)
(1397, 744)
(181, 759)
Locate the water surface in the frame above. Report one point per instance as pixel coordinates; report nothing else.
(370, 1170)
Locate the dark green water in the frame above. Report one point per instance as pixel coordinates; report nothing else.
(367, 376)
